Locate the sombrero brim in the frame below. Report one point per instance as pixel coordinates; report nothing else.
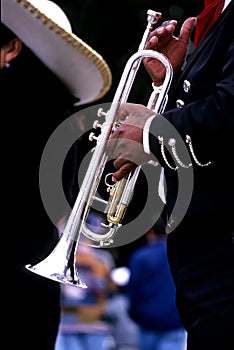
(79, 67)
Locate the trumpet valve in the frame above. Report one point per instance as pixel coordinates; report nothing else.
(92, 136)
(96, 124)
(101, 113)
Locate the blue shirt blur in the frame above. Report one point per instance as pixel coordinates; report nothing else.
(151, 289)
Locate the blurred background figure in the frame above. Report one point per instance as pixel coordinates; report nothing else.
(83, 325)
(151, 293)
(96, 318)
(125, 330)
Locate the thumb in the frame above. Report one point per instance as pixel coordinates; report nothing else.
(187, 28)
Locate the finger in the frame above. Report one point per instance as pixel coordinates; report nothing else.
(171, 21)
(152, 43)
(170, 26)
(123, 171)
(167, 27)
(123, 111)
(187, 28)
(121, 163)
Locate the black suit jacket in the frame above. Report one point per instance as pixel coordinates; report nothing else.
(201, 105)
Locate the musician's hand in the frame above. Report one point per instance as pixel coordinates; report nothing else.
(126, 142)
(162, 39)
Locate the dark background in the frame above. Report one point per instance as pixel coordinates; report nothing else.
(115, 30)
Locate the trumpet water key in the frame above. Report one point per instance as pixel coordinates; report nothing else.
(60, 264)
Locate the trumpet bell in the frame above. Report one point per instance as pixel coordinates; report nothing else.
(58, 266)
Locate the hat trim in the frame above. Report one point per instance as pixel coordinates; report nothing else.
(78, 44)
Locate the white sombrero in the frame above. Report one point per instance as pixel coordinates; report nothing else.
(45, 29)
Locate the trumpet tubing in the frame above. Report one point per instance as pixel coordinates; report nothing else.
(60, 265)
(117, 207)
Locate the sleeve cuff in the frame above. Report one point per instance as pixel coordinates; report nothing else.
(146, 134)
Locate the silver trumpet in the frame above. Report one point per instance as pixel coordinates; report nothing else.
(60, 264)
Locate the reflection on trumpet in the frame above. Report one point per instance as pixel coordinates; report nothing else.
(60, 264)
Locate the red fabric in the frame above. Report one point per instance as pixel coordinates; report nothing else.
(212, 10)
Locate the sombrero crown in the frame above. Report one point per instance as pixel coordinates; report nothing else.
(45, 29)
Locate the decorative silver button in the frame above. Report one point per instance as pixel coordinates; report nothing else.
(171, 142)
(186, 86)
(179, 103)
